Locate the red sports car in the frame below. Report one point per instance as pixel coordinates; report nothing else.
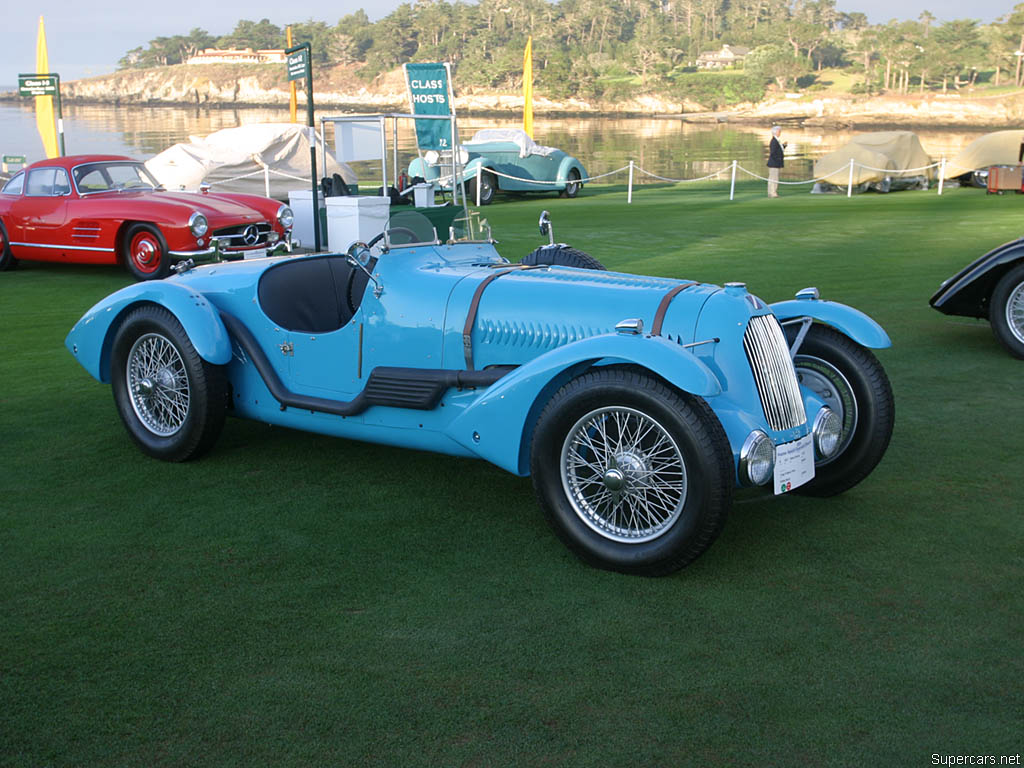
(107, 209)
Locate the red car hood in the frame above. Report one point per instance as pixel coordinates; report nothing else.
(214, 207)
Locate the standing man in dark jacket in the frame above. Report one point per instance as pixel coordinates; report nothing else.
(774, 161)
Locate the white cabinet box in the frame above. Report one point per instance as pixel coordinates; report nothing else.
(301, 203)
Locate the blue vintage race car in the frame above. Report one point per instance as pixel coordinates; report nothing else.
(505, 160)
(636, 403)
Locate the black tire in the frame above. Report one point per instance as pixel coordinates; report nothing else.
(666, 447)
(7, 260)
(488, 186)
(849, 378)
(1006, 311)
(572, 185)
(144, 252)
(172, 402)
(562, 256)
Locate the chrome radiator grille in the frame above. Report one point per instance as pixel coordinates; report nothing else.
(768, 354)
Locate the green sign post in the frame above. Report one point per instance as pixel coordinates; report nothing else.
(298, 63)
(45, 84)
(300, 67)
(11, 160)
(430, 94)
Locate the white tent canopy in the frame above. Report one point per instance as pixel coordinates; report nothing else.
(235, 160)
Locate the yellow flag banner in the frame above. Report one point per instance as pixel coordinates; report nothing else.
(528, 87)
(44, 104)
(293, 99)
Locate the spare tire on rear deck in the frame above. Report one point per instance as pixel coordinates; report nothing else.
(562, 256)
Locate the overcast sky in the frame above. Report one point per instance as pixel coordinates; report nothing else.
(87, 37)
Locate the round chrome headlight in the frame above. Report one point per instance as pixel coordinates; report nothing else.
(197, 224)
(828, 428)
(757, 459)
(431, 156)
(285, 217)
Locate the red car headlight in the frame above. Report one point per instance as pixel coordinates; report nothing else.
(198, 225)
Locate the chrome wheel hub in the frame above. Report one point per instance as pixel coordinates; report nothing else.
(145, 252)
(157, 384)
(828, 383)
(623, 474)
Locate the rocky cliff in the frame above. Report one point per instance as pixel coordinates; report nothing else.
(259, 85)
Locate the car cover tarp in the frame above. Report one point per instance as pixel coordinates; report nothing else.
(517, 136)
(895, 153)
(233, 159)
(997, 148)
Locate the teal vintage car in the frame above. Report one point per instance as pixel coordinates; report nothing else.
(503, 160)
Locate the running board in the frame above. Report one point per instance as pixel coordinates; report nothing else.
(418, 389)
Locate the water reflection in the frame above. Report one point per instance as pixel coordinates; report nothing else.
(666, 147)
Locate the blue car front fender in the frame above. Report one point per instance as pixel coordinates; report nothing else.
(497, 427)
(92, 337)
(843, 318)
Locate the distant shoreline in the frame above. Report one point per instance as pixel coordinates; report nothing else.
(247, 86)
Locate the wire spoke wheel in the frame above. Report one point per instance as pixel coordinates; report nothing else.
(623, 474)
(1015, 312)
(158, 384)
(171, 401)
(572, 184)
(633, 475)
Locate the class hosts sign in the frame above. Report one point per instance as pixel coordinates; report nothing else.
(430, 93)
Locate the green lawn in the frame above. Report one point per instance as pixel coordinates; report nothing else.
(293, 600)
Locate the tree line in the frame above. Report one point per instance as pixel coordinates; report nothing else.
(613, 49)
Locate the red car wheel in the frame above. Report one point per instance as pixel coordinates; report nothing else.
(146, 252)
(7, 261)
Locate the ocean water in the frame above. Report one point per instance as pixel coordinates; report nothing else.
(665, 147)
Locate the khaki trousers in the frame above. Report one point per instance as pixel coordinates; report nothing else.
(773, 182)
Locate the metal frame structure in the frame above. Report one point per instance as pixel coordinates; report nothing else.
(382, 120)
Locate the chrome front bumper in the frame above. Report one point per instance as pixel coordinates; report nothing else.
(218, 252)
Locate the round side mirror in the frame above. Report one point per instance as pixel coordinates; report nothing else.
(358, 254)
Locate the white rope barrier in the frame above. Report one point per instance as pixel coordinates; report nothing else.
(790, 183)
(684, 181)
(632, 169)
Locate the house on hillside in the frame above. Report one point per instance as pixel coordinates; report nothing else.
(245, 56)
(729, 56)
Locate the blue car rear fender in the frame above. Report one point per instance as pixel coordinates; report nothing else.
(567, 164)
(92, 337)
(843, 318)
(498, 426)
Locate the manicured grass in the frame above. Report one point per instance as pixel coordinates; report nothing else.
(294, 600)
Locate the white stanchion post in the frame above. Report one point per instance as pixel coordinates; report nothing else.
(732, 186)
(629, 196)
(479, 178)
(266, 180)
(849, 185)
(942, 173)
